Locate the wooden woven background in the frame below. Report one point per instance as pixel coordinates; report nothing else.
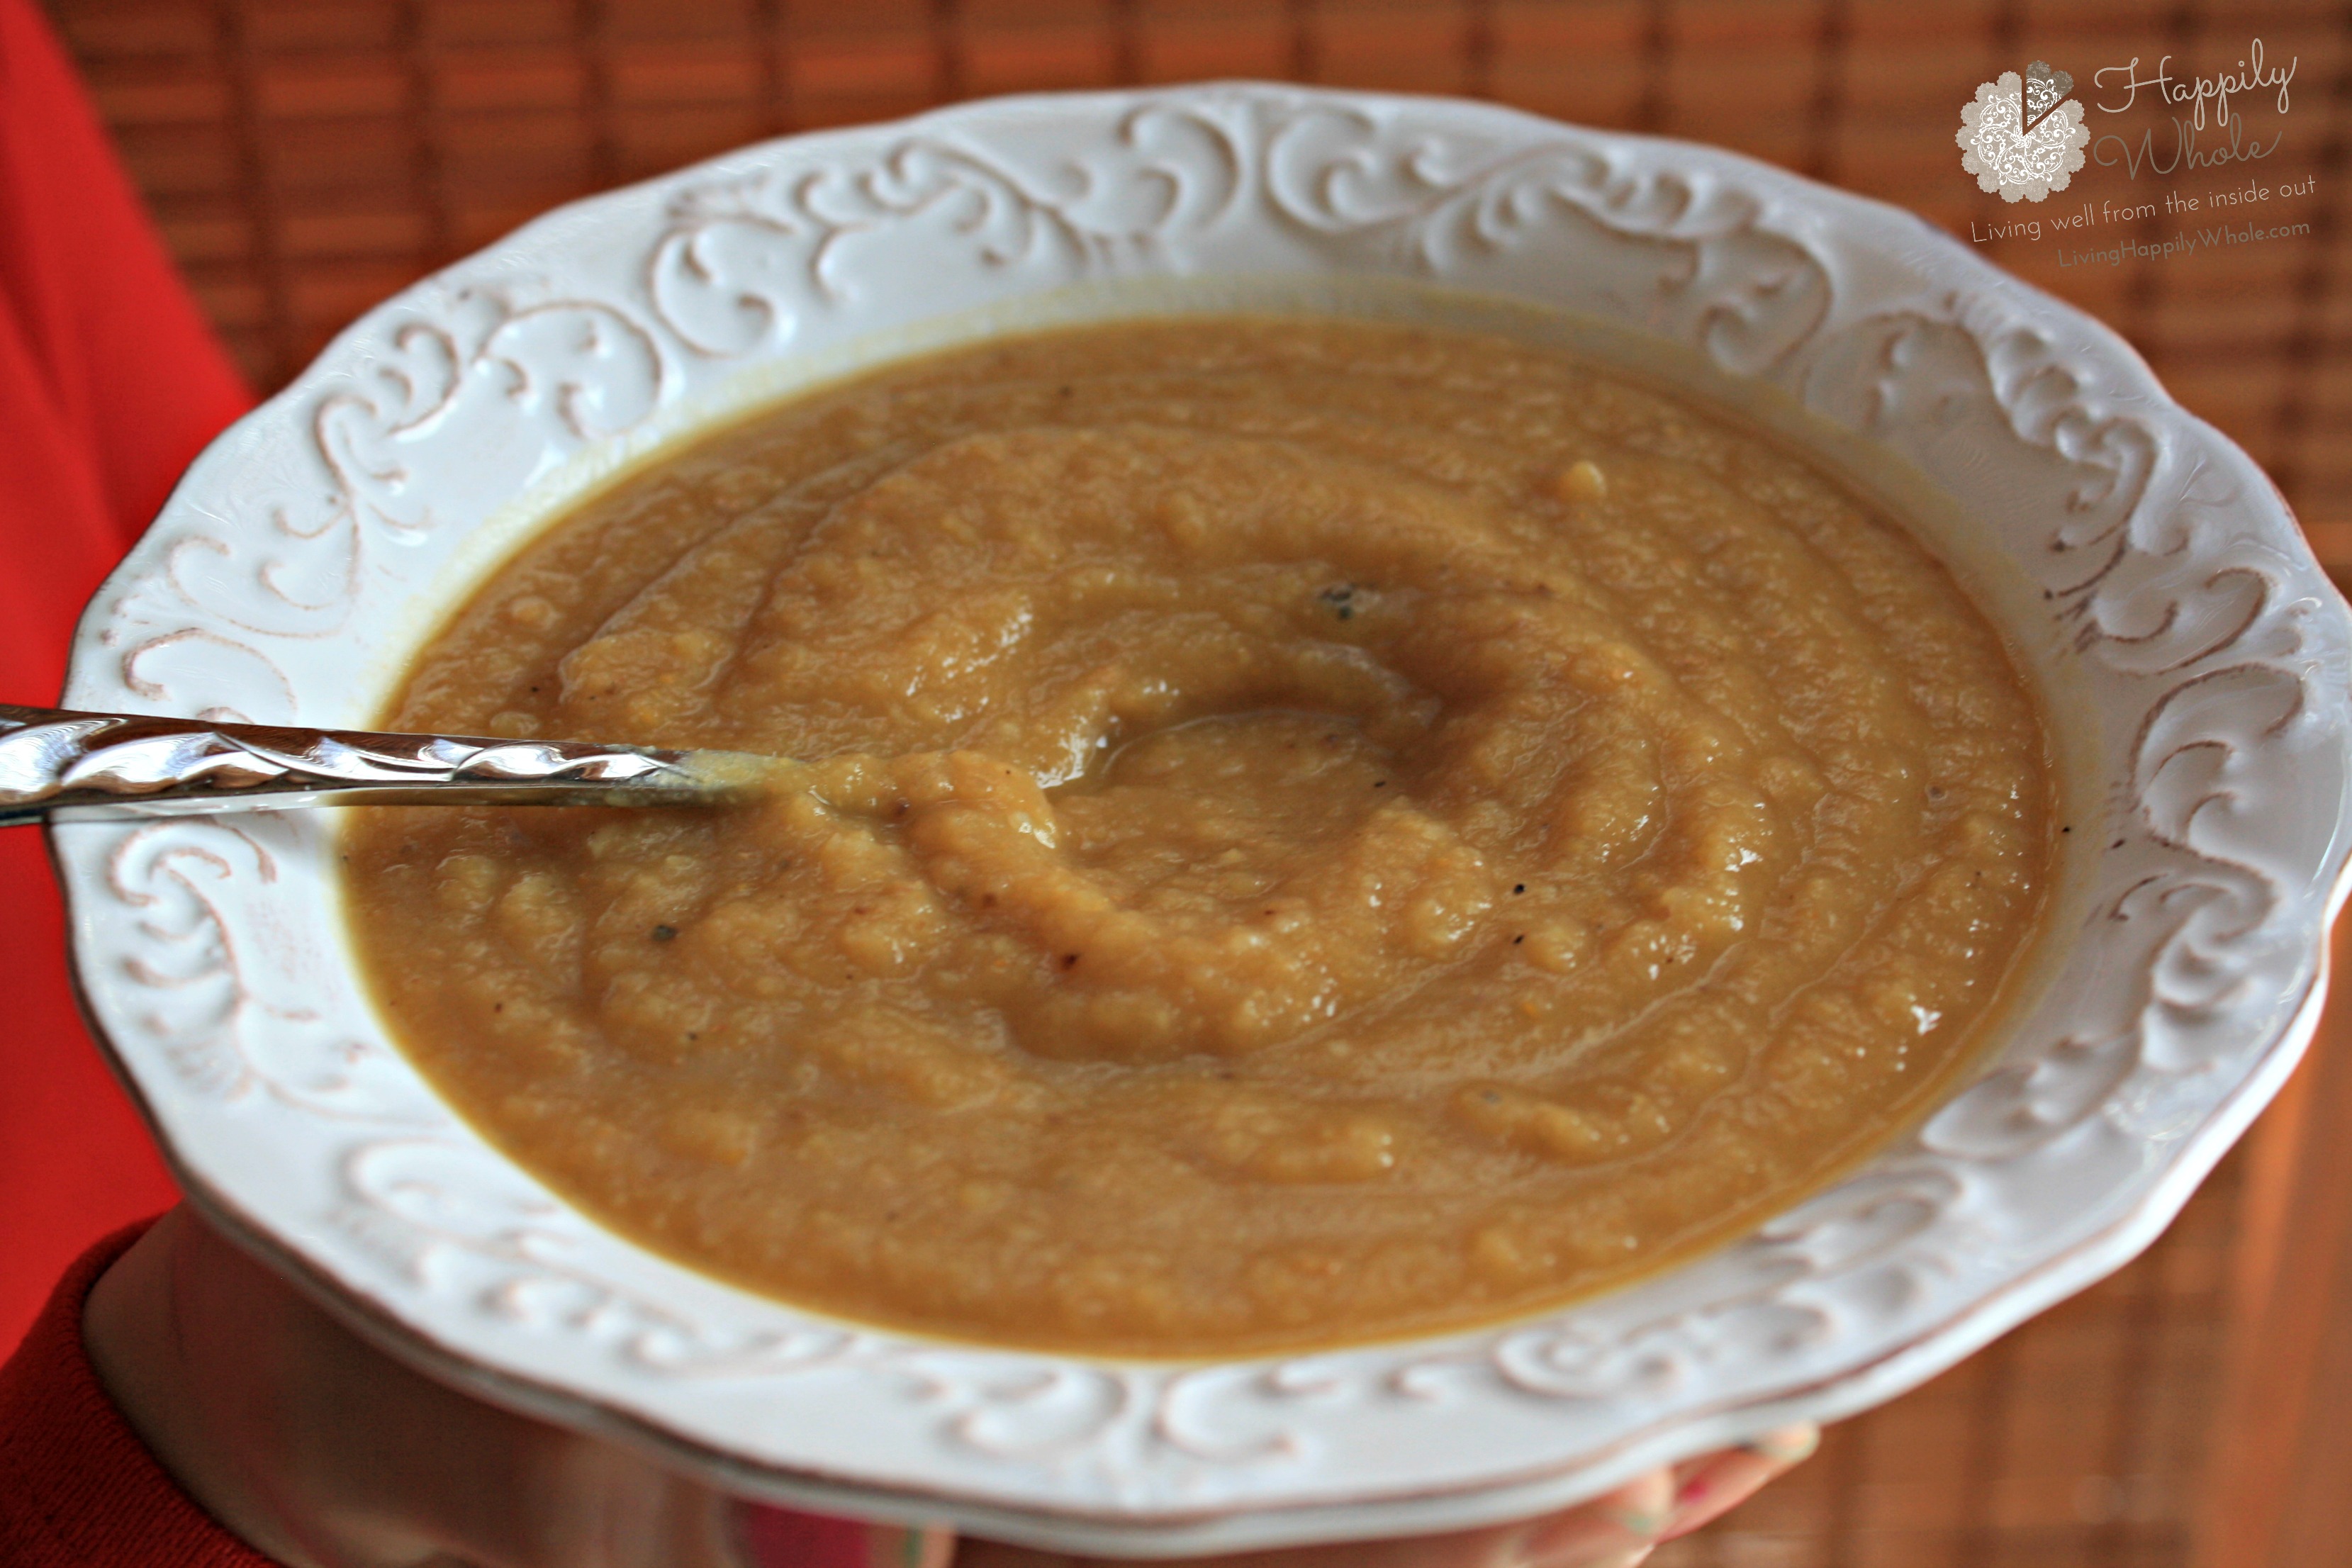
(307, 157)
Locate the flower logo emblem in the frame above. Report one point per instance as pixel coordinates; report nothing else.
(2022, 136)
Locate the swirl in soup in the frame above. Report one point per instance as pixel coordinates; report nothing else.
(1304, 831)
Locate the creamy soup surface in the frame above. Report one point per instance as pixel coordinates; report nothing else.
(1311, 831)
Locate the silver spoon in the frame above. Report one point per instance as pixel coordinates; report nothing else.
(59, 766)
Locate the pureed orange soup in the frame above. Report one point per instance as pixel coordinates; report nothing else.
(1313, 831)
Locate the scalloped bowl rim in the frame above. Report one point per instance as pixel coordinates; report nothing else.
(1602, 1397)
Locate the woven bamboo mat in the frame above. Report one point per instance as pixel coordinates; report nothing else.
(307, 157)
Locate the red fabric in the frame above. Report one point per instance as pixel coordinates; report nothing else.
(109, 384)
(772, 1538)
(78, 1490)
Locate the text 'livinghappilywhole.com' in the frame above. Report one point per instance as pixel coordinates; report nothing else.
(2181, 243)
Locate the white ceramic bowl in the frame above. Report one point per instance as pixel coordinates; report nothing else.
(2191, 654)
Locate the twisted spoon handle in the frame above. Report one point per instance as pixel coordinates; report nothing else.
(63, 766)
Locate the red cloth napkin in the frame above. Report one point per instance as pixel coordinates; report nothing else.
(78, 1489)
(109, 384)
